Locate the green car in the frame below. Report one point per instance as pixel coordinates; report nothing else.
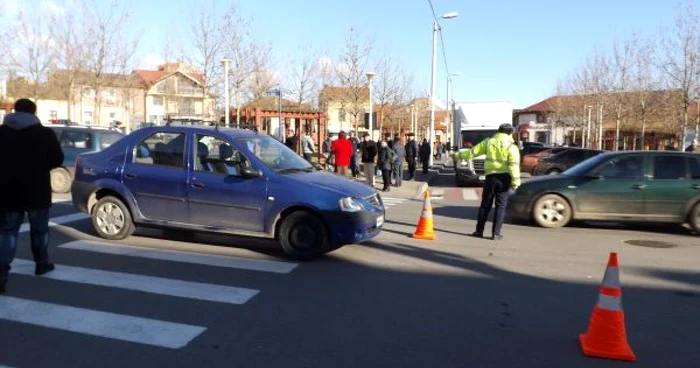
(634, 186)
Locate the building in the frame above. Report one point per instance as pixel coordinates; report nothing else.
(345, 108)
(177, 91)
(596, 120)
(128, 100)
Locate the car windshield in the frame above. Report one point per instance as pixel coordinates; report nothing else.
(275, 155)
(473, 137)
(584, 167)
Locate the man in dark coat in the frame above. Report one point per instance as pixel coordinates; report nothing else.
(424, 153)
(397, 167)
(28, 153)
(384, 159)
(411, 155)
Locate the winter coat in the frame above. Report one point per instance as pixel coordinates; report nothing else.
(28, 153)
(384, 159)
(412, 149)
(368, 150)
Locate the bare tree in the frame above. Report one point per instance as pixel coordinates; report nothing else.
(680, 61)
(263, 77)
(351, 75)
(208, 30)
(111, 48)
(70, 59)
(622, 63)
(644, 83)
(33, 53)
(304, 74)
(240, 49)
(392, 88)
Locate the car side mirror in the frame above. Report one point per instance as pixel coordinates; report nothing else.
(249, 172)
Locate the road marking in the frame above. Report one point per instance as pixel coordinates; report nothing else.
(470, 195)
(96, 323)
(389, 201)
(180, 256)
(148, 284)
(59, 220)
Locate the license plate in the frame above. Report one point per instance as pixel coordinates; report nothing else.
(380, 221)
(482, 177)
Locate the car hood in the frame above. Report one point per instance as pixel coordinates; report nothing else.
(333, 182)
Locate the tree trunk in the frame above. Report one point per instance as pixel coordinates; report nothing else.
(238, 108)
(681, 147)
(617, 127)
(644, 126)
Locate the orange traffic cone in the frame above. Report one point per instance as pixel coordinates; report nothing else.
(424, 230)
(606, 336)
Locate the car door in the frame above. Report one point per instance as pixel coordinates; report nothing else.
(615, 189)
(219, 195)
(157, 176)
(670, 187)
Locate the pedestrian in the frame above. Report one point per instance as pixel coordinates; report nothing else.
(354, 165)
(308, 148)
(502, 167)
(424, 153)
(28, 153)
(326, 150)
(291, 140)
(384, 159)
(368, 151)
(693, 146)
(397, 168)
(342, 150)
(411, 155)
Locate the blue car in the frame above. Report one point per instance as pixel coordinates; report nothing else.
(226, 181)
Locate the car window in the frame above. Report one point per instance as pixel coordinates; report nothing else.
(669, 167)
(275, 155)
(162, 149)
(217, 156)
(694, 167)
(77, 139)
(108, 139)
(626, 167)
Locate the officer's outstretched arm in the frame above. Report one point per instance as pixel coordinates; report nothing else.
(514, 166)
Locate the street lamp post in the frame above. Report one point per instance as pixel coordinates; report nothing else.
(370, 76)
(431, 130)
(227, 107)
(450, 126)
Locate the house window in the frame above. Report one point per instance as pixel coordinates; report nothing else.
(157, 100)
(341, 115)
(112, 115)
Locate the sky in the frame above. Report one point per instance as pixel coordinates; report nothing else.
(506, 50)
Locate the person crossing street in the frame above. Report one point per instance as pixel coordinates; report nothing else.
(502, 168)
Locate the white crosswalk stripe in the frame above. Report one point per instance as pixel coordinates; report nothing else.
(388, 201)
(470, 195)
(122, 327)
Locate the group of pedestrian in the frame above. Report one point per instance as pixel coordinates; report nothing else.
(26, 188)
(351, 156)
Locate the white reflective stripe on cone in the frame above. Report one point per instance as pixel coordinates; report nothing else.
(427, 214)
(611, 279)
(611, 303)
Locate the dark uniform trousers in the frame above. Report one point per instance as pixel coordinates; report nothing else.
(496, 188)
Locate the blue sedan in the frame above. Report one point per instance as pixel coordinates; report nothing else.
(223, 181)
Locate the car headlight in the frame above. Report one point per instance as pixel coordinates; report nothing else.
(350, 204)
(467, 163)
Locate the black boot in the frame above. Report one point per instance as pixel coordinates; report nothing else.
(43, 268)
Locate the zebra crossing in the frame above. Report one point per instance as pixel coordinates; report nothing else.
(390, 202)
(123, 327)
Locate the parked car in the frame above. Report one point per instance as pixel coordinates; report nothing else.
(226, 181)
(530, 162)
(557, 163)
(74, 141)
(532, 147)
(640, 186)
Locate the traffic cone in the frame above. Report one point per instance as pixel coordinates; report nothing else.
(606, 336)
(424, 230)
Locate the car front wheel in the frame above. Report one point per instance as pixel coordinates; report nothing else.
(112, 219)
(303, 236)
(695, 218)
(60, 180)
(553, 172)
(552, 211)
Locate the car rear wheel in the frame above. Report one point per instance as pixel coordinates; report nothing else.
(552, 211)
(112, 219)
(553, 172)
(60, 180)
(303, 236)
(694, 219)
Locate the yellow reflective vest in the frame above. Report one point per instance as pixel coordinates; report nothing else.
(502, 156)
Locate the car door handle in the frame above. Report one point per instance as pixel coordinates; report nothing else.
(198, 185)
(130, 176)
(640, 186)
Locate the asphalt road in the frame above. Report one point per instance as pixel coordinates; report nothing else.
(165, 298)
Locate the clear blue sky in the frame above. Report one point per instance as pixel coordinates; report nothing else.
(505, 50)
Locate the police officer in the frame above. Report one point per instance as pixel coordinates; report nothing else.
(502, 166)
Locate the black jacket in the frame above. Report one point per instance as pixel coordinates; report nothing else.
(28, 152)
(384, 159)
(368, 149)
(411, 149)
